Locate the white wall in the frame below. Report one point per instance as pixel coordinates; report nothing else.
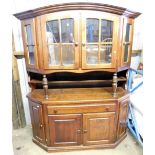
(23, 5)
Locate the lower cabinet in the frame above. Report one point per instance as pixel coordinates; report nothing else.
(83, 126)
(87, 129)
(37, 121)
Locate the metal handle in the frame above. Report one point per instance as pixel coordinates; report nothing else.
(78, 131)
(41, 125)
(38, 106)
(126, 43)
(76, 44)
(83, 44)
(85, 131)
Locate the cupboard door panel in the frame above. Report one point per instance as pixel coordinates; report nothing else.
(60, 40)
(127, 41)
(29, 41)
(65, 130)
(99, 40)
(99, 128)
(37, 121)
(123, 115)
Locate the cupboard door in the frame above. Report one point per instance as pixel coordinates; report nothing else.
(123, 115)
(127, 41)
(60, 40)
(29, 41)
(99, 128)
(65, 130)
(37, 121)
(99, 40)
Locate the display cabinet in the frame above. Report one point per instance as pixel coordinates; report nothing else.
(77, 57)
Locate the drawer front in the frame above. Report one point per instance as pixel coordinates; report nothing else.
(76, 109)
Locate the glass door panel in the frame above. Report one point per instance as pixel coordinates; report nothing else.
(127, 42)
(68, 54)
(30, 44)
(53, 40)
(98, 40)
(92, 54)
(61, 45)
(67, 37)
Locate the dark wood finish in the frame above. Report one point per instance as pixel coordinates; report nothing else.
(77, 6)
(99, 128)
(37, 121)
(65, 130)
(78, 118)
(114, 84)
(123, 115)
(81, 111)
(45, 86)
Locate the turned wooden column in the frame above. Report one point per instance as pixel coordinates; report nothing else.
(45, 86)
(114, 84)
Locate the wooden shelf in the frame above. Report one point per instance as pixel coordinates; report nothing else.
(75, 82)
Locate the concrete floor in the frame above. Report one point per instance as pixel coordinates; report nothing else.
(23, 145)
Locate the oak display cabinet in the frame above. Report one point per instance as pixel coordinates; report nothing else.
(77, 57)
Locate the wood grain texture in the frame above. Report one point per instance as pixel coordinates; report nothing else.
(77, 6)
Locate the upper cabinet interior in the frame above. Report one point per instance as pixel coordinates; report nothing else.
(77, 37)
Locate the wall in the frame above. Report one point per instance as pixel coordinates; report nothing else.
(23, 5)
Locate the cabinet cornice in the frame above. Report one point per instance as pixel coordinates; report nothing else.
(76, 6)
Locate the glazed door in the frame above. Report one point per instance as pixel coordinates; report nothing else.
(29, 42)
(123, 115)
(99, 128)
(65, 130)
(37, 121)
(60, 40)
(127, 41)
(99, 40)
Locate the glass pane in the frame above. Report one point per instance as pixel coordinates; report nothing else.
(106, 30)
(52, 28)
(92, 54)
(68, 54)
(126, 49)
(67, 30)
(92, 30)
(127, 37)
(105, 54)
(31, 54)
(29, 35)
(54, 55)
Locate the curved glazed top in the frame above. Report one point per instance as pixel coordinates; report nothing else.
(77, 6)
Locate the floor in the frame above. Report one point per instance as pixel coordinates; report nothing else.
(23, 145)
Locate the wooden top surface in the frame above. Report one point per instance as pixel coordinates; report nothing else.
(77, 95)
(76, 6)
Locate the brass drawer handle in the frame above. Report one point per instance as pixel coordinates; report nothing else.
(41, 125)
(85, 131)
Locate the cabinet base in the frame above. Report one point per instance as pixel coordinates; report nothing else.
(80, 147)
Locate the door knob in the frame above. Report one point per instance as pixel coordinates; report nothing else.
(85, 131)
(78, 131)
(83, 44)
(76, 44)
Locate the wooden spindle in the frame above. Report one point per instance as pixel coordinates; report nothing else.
(45, 86)
(114, 84)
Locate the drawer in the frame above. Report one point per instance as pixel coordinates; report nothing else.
(76, 109)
